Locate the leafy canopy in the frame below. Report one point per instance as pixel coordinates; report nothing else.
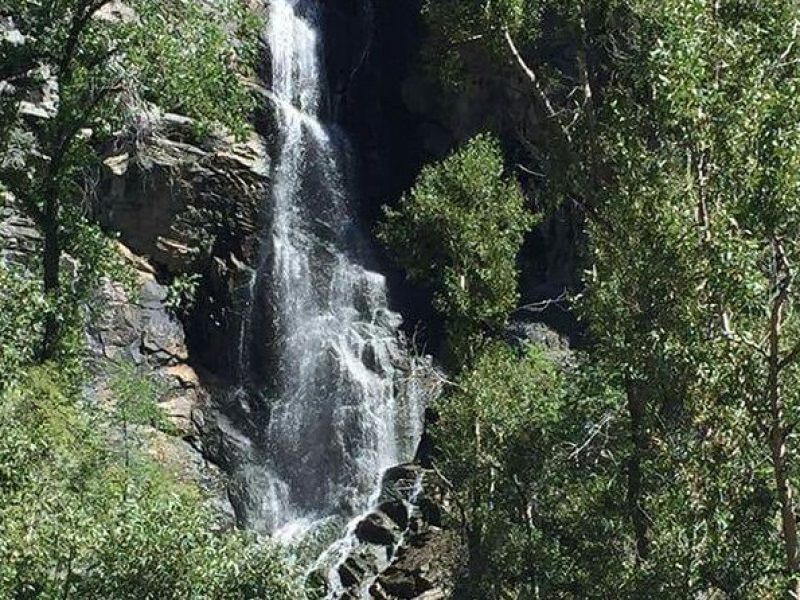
(459, 231)
(193, 59)
(81, 520)
(530, 452)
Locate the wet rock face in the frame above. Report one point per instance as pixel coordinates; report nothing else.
(377, 529)
(190, 207)
(424, 569)
(375, 49)
(402, 550)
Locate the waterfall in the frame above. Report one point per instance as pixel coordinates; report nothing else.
(328, 344)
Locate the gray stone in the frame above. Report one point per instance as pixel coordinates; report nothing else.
(421, 560)
(179, 201)
(190, 206)
(377, 528)
(396, 511)
(521, 332)
(139, 328)
(19, 238)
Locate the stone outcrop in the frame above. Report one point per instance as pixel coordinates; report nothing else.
(178, 200)
(529, 327)
(191, 206)
(137, 327)
(182, 206)
(401, 550)
(18, 236)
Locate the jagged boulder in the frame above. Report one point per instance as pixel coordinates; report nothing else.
(376, 528)
(425, 567)
(140, 328)
(396, 511)
(524, 329)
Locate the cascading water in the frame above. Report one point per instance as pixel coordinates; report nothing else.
(336, 420)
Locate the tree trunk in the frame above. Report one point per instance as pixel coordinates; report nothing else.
(639, 518)
(778, 429)
(777, 436)
(788, 516)
(52, 271)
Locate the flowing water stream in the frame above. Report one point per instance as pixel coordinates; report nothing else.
(336, 419)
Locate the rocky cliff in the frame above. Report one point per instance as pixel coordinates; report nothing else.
(182, 211)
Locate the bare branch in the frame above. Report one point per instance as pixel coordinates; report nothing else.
(541, 95)
(545, 304)
(596, 430)
(530, 172)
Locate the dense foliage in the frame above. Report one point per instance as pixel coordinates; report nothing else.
(459, 230)
(181, 54)
(663, 463)
(20, 320)
(528, 453)
(86, 514)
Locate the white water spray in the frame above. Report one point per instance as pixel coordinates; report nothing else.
(336, 420)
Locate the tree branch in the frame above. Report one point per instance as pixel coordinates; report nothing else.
(80, 20)
(541, 95)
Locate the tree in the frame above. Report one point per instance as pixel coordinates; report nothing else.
(80, 520)
(100, 69)
(527, 446)
(559, 57)
(743, 180)
(459, 230)
(705, 149)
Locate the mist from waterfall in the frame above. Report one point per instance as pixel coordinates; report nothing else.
(336, 420)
